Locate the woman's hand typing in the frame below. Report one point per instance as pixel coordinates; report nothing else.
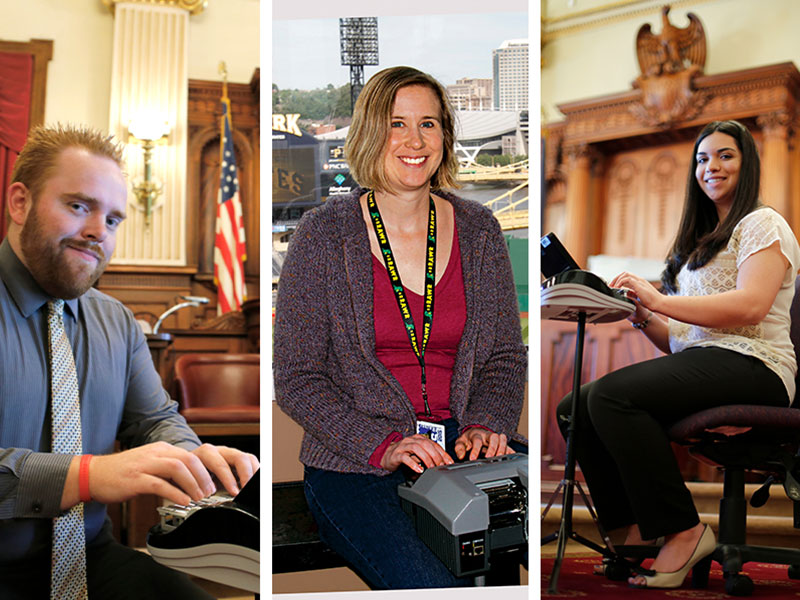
(645, 294)
(758, 280)
(415, 451)
(475, 439)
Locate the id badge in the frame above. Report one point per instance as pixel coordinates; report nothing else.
(434, 431)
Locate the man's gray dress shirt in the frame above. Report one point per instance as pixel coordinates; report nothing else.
(120, 392)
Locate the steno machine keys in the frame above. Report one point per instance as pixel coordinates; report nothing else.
(214, 538)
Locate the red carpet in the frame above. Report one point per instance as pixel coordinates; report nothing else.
(577, 581)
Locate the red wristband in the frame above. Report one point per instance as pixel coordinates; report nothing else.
(83, 478)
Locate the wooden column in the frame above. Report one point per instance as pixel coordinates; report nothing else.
(794, 175)
(579, 201)
(775, 165)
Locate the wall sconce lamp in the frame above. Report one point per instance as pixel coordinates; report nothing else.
(147, 133)
(188, 301)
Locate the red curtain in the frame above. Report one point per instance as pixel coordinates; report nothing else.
(16, 79)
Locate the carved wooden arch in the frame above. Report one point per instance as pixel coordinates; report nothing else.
(203, 181)
(204, 113)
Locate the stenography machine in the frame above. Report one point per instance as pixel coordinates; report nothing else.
(465, 512)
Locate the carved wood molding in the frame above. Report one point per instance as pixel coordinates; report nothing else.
(232, 321)
(581, 152)
(668, 99)
(145, 280)
(776, 124)
(553, 137)
(744, 94)
(204, 103)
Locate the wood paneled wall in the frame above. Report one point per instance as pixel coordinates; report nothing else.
(644, 192)
(203, 170)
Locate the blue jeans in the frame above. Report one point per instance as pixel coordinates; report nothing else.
(360, 517)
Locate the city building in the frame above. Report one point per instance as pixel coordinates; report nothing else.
(510, 75)
(471, 94)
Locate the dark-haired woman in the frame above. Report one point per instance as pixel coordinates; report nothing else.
(723, 320)
(396, 316)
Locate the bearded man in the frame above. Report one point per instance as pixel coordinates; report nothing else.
(76, 375)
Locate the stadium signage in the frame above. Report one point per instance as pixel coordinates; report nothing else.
(287, 124)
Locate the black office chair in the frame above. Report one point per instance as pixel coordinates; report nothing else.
(769, 444)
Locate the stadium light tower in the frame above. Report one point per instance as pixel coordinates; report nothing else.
(358, 42)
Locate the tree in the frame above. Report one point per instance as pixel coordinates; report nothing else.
(498, 160)
(342, 107)
(319, 104)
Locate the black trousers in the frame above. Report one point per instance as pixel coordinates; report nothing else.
(621, 441)
(114, 572)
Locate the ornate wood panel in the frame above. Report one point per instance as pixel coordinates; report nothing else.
(644, 200)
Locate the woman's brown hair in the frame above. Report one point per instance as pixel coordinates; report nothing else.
(700, 235)
(369, 130)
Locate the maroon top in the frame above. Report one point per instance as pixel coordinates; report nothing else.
(327, 376)
(393, 347)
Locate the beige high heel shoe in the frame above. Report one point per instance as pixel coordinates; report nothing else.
(705, 546)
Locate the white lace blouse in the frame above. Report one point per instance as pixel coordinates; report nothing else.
(769, 340)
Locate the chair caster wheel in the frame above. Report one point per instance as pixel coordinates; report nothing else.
(738, 585)
(794, 571)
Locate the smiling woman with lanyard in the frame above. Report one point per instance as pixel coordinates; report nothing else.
(384, 380)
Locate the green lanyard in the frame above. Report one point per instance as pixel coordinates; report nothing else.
(397, 285)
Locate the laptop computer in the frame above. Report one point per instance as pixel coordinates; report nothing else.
(569, 290)
(555, 258)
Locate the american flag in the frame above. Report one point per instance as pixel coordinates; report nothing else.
(229, 247)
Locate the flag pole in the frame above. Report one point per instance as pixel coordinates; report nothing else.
(222, 69)
(229, 240)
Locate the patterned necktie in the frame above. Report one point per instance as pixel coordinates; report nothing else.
(68, 563)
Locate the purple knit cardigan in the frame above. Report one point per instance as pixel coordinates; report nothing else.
(326, 373)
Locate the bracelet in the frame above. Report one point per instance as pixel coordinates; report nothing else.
(83, 478)
(642, 324)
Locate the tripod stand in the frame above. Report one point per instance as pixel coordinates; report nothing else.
(569, 484)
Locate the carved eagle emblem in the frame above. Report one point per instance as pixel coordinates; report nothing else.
(672, 50)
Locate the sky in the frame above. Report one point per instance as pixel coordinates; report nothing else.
(305, 52)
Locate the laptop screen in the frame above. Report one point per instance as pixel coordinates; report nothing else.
(555, 258)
